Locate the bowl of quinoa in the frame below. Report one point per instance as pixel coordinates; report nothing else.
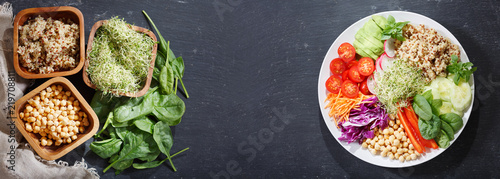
(427, 50)
(47, 42)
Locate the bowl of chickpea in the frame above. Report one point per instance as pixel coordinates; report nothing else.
(55, 118)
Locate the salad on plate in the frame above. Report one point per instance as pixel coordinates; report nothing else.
(396, 89)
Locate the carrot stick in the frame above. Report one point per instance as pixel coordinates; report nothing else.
(402, 118)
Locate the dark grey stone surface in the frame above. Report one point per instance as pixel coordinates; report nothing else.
(252, 72)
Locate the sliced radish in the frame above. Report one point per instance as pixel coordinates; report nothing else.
(370, 82)
(389, 47)
(378, 65)
(387, 62)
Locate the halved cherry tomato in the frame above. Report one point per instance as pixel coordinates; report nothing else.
(352, 63)
(363, 87)
(366, 66)
(345, 75)
(350, 89)
(347, 52)
(333, 84)
(337, 66)
(354, 74)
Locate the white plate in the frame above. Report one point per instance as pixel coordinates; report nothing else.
(348, 36)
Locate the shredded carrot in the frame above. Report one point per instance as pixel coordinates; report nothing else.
(341, 106)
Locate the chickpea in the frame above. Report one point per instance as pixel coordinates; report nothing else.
(401, 159)
(394, 149)
(413, 156)
(391, 156)
(384, 154)
(410, 151)
(49, 142)
(43, 142)
(29, 128)
(395, 142)
(381, 142)
(364, 145)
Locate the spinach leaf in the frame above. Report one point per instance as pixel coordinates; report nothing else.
(447, 128)
(103, 104)
(167, 79)
(121, 132)
(155, 163)
(163, 137)
(151, 164)
(150, 152)
(119, 166)
(169, 109)
(145, 124)
(435, 105)
(108, 120)
(422, 107)
(454, 120)
(178, 66)
(442, 139)
(429, 129)
(428, 95)
(159, 63)
(106, 148)
(134, 108)
(134, 147)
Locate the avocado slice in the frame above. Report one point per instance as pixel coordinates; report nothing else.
(362, 50)
(380, 21)
(370, 25)
(359, 50)
(369, 42)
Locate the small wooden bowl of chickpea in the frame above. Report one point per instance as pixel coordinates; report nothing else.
(55, 118)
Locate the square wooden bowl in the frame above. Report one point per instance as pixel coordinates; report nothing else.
(54, 152)
(145, 89)
(58, 12)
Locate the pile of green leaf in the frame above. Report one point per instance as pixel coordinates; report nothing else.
(432, 123)
(137, 130)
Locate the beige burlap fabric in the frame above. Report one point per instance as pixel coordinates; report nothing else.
(18, 160)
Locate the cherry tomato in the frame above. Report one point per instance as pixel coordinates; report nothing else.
(337, 66)
(333, 84)
(345, 75)
(352, 63)
(347, 52)
(363, 87)
(350, 89)
(354, 75)
(366, 66)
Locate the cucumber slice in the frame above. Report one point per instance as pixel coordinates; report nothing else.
(444, 88)
(434, 87)
(461, 96)
(447, 107)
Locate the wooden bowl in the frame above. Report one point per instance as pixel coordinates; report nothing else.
(54, 152)
(66, 12)
(145, 89)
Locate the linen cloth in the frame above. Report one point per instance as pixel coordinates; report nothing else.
(18, 160)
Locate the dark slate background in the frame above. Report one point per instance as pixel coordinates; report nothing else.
(252, 72)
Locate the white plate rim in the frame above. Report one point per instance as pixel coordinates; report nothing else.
(348, 36)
